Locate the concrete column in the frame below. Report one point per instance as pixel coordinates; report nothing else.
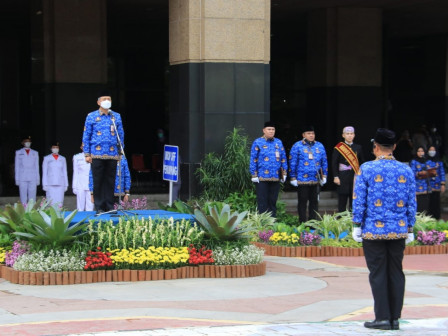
(344, 74)
(219, 57)
(75, 67)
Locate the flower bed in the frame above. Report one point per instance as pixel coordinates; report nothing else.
(332, 251)
(82, 277)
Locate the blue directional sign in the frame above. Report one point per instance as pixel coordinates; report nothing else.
(171, 163)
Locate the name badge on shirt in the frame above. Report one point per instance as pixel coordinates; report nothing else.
(277, 154)
(112, 128)
(310, 156)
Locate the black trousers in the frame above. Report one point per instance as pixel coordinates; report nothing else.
(384, 259)
(267, 194)
(342, 202)
(434, 204)
(423, 202)
(103, 173)
(307, 194)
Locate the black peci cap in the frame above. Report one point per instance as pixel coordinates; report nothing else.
(307, 128)
(384, 137)
(104, 93)
(269, 124)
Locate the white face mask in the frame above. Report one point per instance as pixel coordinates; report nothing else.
(55, 150)
(27, 144)
(106, 104)
(432, 153)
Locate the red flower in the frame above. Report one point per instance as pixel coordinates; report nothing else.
(201, 256)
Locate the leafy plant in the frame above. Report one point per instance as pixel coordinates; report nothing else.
(222, 225)
(258, 222)
(12, 217)
(222, 175)
(332, 226)
(51, 230)
(423, 222)
(6, 240)
(241, 201)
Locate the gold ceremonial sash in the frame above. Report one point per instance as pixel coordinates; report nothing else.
(349, 155)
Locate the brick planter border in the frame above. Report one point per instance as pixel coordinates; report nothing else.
(81, 277)
(331, 251)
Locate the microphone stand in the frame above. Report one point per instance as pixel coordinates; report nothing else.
(120, 207)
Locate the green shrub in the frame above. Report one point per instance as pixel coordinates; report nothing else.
(221, 175)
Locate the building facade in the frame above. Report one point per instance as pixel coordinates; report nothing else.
(198, 68)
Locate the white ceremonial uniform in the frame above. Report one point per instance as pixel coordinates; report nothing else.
(27, 174)
(80, 183)
(54, 178)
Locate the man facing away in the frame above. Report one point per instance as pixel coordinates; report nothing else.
(384, 209)
(268, 167)
(27, 171)
(308, 168)
(102, 129)
(347, 156)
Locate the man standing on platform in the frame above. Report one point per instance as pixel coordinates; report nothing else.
(27, 171)
(268, 167)
(347, 157)
(308, 169)
(384, 209)
(102, 131)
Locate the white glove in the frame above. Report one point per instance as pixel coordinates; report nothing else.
(44, 188)
(323, 181)
(410, 238)
(283, 179)
(356, 234)
(255, 180)
(65, 189)
(293, 183)
(75, 191)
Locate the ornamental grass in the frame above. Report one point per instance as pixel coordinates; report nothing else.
(143, 232)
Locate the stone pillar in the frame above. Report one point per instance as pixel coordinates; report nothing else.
(344, 76)
(219, 75)
(74, 68)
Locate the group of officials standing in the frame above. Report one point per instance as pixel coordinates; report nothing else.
(382, 192)
(97, 177)
(308, 169)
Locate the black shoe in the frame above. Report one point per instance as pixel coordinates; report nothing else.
(99, 212)
(378, 324)
(395, 325)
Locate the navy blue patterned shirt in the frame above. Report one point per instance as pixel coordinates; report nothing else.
(384, 200)
(306, 161)
(268, 159)
(99, 137)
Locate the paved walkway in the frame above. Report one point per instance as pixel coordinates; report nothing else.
(298, 296)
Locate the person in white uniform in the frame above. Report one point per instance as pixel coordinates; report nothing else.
(80, 183)
(54, 176)
(27, 171)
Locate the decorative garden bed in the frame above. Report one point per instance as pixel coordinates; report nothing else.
(331, 251)
(83, 277)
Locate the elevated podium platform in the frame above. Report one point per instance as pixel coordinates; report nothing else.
(126, 214)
